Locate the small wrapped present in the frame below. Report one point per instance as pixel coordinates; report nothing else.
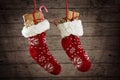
(29, 19)
(72, 15)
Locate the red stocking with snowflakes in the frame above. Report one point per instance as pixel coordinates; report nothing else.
(70, 32)
(38, 48)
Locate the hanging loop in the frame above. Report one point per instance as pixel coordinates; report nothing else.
(66, 8)
(67, 13)
(34, 18)
(40, 9)
(41, 13)
(34, 5)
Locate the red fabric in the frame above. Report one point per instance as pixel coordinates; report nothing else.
(66, 8)
(76, 53)
(34, 12)
(41, 54)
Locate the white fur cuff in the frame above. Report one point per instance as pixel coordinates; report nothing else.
(75, 27)
(35, 29)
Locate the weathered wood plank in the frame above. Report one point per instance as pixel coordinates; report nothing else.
(34, 70)
(86, 15)
(117, 2)
(90, 29)
(96, 56)
(103, 3)
(63, 78)
(50, 4)
(16, 17)
(98, 43)
(55, 4)
(61, 11)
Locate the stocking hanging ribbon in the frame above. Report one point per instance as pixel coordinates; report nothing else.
(40, 9)
(73, 17)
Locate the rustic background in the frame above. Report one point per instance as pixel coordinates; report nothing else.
(101, 40)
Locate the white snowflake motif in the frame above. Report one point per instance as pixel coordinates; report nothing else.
(48, 53)
(79, 46)
(49, 67)
(41, 59)
(44, 40)
(86, 56)
(34, 41)
(72, 50)
(77, 62)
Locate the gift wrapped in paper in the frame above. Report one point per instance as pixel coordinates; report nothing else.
(29, 20)
(70, 17)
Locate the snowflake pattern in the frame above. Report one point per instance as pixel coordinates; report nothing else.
(77, 61)
(44, 40)
(86, 56)
(72, 50)
(48, 53)
(49, 67)
(34, 41)
(79, 46)
(41, 59)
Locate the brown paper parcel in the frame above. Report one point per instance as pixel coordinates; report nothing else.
(70, 15)
(29, 20)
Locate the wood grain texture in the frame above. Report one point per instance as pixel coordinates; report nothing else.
(23, 57)
(101, 21)
(34, 70)
(87, 15)
(54, 43)
(90, 29)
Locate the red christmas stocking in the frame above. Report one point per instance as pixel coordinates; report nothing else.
(38, 48)
(70, 32)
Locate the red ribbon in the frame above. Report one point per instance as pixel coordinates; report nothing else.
(66, 8)
(35, 21)
(41, 13)
(67, 12)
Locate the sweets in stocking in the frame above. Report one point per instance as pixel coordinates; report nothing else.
(70, 32)
(38, 48)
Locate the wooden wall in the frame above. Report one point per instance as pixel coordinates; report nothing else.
(101, 20)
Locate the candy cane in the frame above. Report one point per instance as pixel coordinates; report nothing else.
(40, 9)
